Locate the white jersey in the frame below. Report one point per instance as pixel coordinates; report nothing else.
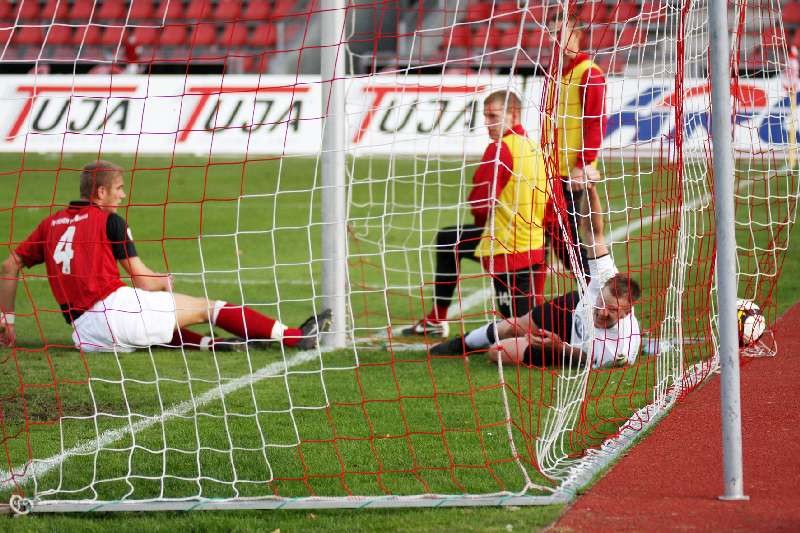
(603, 346)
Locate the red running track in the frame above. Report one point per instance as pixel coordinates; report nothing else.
(672, 479)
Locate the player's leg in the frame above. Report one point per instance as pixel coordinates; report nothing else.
(510, 351)
(247, 323)
(484, 336)
(560, 243)
(453, 244)
(191, 340)
(516, 292)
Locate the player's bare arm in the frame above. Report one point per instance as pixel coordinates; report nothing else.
(596, 238)
(9, 273)
(143, 277)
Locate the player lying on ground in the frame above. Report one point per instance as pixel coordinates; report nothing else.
(601, 327)
(81, 245)
(508, 201)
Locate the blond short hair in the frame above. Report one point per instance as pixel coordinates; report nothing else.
(502, 96)
(97, 174)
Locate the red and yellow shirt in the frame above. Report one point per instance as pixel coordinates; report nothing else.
(509, 197)
(573, 126)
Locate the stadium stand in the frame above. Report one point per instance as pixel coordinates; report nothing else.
(172, 31)
(486, 35)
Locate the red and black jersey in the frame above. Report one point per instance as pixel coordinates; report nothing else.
(80, 246)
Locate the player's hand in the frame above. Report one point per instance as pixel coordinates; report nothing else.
(8, 334)
(583, 177)
(545, 339)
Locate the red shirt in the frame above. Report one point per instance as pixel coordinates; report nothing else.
(80, 258)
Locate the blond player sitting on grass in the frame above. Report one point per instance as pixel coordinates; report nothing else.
(81, 246)
(599, 328)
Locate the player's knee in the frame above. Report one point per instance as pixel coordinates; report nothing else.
(494, 353)
(191, 310)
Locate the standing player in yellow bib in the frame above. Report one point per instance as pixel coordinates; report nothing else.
(573, 126)
(508, 199)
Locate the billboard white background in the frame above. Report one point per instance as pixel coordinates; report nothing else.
(413, 115)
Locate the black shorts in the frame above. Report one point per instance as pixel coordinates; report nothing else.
(555, 316)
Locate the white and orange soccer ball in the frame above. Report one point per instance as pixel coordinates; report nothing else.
(752, 323)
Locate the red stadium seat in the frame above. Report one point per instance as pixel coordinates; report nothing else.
(541, 12)
(228, 9)
(199, 10)
(478, 11)
(537, 38)
(509, 39)
(284, 8)
(257, 63)
(27, 11)
(508, 11)
(631, 36)
(59, 35)
(623, 12)
(791, 13)
(110, 12)
(593, 12)
(90, 35)
(235, 35)
(170, 11)
(54, 10)
(141, 10)
(81, 11)
(146, 36)
(493, 36)
(173, 35)
(600, 37)
(6, 13)
(262, 36)
(480, 36)
(773, 39)
(654, 11)
(257, 10)
(461, 37)
(203, 34)
(112, 36)
(28, 36)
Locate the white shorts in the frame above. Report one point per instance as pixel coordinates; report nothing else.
(126, 319)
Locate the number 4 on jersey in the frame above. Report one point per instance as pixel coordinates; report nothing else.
(63, 253)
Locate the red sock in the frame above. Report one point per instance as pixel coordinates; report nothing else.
(250, 324)
(185, 336)
(291, 337)
(438, 313)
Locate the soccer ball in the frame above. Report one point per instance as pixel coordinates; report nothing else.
(752, 323)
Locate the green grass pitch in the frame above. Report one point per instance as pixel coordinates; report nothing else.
(316, 425)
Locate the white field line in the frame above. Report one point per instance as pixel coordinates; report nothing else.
(195, 279)
(25, 473)
(40, 468)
